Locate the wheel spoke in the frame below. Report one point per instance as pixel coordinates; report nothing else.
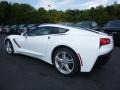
(58, 59)
(67, 68)
(64, 55)
(69, 61)
(61, 66)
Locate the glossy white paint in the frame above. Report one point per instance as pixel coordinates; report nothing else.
(83, 42)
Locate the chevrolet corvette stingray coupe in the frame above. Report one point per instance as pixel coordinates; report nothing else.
(69, 49)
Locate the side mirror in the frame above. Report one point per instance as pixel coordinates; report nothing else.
(24, 34)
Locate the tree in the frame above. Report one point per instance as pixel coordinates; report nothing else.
(55, 16)
(22, 13)
(42, 15)
(5, 12)
(15, 13)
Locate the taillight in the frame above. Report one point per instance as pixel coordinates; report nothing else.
(104, 41)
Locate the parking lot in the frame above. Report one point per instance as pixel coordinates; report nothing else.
(20, 72)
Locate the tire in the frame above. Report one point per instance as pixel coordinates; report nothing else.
(9, 47)
(66, 61)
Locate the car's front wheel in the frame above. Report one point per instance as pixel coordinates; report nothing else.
(9, 47)
(66, 61)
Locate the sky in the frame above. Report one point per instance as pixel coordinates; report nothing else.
(65, 4)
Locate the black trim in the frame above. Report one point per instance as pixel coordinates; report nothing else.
(104, 58)
(16, 43)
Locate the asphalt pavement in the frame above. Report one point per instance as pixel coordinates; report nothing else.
(20, 72)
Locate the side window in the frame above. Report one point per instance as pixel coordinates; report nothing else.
(62, 30)
(56, 30)
(46, 30)
(53, 30)
(38, 31)
(43, 31)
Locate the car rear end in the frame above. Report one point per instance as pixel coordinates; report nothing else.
(96, 46)
(106, 42)
(106, 45)
(105, 49)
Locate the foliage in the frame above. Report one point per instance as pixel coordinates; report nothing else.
(15, 13)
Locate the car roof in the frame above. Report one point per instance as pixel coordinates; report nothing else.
(57, 25)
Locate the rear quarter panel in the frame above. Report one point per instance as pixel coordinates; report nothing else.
(86, 46)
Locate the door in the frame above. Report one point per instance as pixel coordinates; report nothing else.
(34, 43)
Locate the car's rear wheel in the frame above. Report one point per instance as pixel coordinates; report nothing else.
(66, 61)
(9, 47)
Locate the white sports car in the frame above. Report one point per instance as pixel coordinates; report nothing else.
(69, 49)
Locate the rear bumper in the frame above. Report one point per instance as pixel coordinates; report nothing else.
(104, 58)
